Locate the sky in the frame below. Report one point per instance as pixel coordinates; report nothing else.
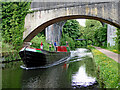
(81, 22)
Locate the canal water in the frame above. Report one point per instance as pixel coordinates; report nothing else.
(78, 71)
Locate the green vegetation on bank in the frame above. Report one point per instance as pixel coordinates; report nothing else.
(71, 32)
(108, 69)
(13, 16)
(6, 47)
(116, 47)
(94, 32)
(98, 35)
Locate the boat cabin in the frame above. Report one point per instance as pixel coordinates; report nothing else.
(62, 49)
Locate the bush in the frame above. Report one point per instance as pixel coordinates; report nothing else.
(70, 41)
(8, 52)
(6, 47)
(36, 42)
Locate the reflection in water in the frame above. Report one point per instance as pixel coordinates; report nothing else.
(45, 78)
(81, 78)
(77, 72)
(11, 75)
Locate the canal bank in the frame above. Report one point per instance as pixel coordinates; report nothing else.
(109, 54)
(108, 69)
(78, 72)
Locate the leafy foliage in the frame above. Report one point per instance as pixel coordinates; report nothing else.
(71, 29)
(36, 42)
(94, 33)
(101, 36)
(69, 40)
(70, 33)
(89, 31)
(117, 40)
(13, 15)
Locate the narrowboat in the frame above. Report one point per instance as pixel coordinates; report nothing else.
(33, 57)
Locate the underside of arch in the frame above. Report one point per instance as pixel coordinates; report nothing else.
(44, 25)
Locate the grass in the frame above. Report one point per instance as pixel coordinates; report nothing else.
(108, 69)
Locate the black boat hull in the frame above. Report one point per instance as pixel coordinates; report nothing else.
(36, 59)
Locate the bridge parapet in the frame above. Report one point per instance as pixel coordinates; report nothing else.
(54, 5)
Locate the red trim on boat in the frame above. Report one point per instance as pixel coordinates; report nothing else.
(38, 49)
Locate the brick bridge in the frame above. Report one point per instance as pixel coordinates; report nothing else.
(47, 13)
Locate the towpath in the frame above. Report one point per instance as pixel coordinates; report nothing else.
(110, 54)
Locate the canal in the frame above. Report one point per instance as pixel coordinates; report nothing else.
(78, 71)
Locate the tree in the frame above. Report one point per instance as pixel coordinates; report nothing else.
(91, 27)
(89, 30)
(71, 30)
(101, 36)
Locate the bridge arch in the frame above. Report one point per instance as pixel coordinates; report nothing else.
(44, 25)
(39, 20)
